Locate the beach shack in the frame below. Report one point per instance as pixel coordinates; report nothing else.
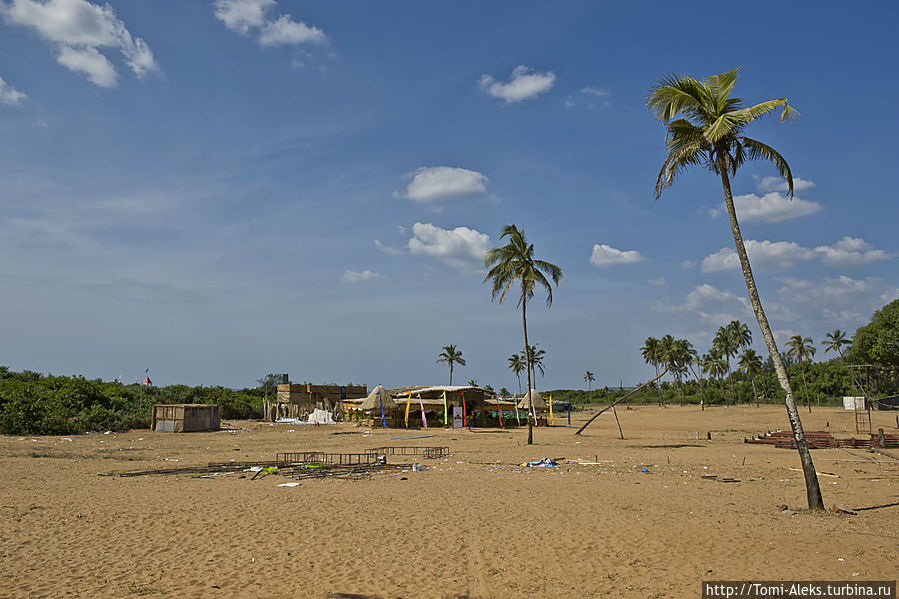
(435, 406)
(298, 401)
(186, 418)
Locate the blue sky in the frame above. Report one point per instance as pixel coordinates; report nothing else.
(216, 190)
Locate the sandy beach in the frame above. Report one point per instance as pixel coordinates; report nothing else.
(475, 524)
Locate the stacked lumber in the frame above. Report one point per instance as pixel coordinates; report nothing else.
(821, 440)
(784, 439)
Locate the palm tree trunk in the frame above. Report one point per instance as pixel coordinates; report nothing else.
(812, 490)
(451, 374)
(656, 364)
(805, 384)
(527, 358)
(754, 393)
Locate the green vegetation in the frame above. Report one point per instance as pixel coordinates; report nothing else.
(34, 404)
(878, 342)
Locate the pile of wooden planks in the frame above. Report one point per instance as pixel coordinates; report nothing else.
(822, 440)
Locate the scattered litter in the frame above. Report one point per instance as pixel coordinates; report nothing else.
(544, 463)
(108, 433)
(67, 439)
(270, 469)
(419, 467)
(818, 473)
(646, 470)
(289, 485)
(290, 430)
(416, 437)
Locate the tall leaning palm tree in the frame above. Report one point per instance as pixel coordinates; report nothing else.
(802, 350)
(449, 356)
(705, 128)
(514, 264)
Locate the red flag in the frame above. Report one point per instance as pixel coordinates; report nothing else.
(147, 381)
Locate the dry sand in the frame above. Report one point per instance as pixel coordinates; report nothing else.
(475, 525)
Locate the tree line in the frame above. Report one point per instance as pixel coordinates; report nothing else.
(36, 404)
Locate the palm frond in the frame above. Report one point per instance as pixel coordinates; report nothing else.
(721, 86)
(674, 94)
(789, 113)
(761, 151)
(692, 153)
(760, 110)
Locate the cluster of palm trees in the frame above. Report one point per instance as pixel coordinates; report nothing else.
(517, 363)
(677, 356)
(731, 341)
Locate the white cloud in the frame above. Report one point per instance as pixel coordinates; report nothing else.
(524, 83)
(9, 94)
(382, 247)
(606, 255)
(352, 276)
(90, 62)
(591, 98)
(286, 31)
(849, 252)
(660, 282)
(832, 302)
(244, 16)
(80, 28)
(761, 253)
(772, 206)
(462, 248)
(713, 306)
(687, 264)
(766, 184)
(435, 183)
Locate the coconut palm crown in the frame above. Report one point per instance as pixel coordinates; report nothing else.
(711, 134)
(705, 127)
(449, 356)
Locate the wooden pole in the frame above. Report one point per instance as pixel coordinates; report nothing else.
(620, 434)
(619, 400)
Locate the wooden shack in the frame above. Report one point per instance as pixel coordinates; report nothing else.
(186, 418)
(298, 401)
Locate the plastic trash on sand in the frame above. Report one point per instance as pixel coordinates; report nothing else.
(289, 485)
(419, 467)
(544, 463)
(646, 470)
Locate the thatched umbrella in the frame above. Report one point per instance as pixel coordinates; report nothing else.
(532, 396)
(373, 402)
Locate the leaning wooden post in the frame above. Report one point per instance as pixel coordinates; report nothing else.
(619, 400)
(615, 412)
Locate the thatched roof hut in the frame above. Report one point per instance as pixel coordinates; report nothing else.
(377, 398)
(532, 396)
